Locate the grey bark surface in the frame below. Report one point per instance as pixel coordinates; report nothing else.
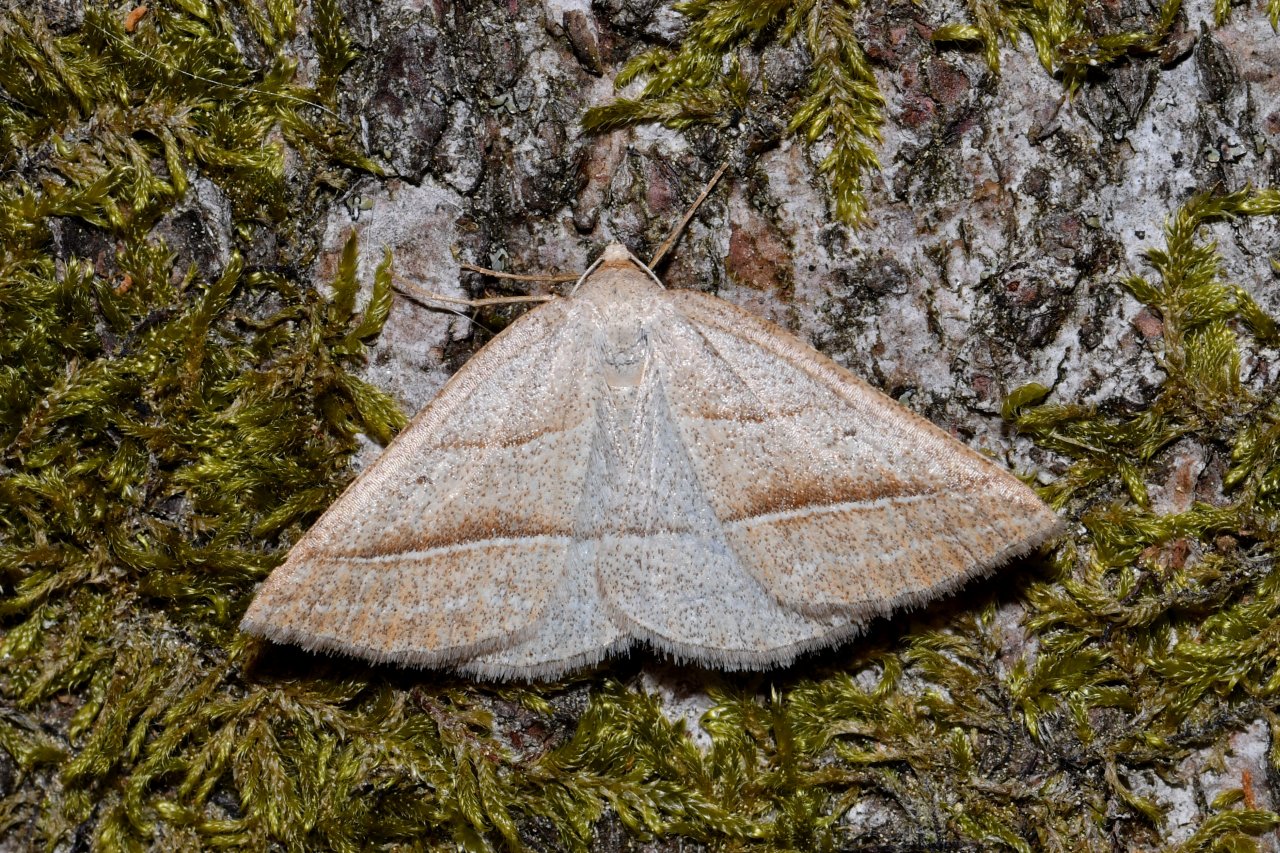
(1002, 218)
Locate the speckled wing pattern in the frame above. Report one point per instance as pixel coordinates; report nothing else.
(452, 543)
(841, 501)
(636, 464)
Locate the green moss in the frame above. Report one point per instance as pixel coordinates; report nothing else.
(167, 434)
(701, 82)
(1222, 12)
(1069, 42)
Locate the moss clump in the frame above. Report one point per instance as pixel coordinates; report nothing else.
(1222, 12)
(167, 433)
(1068, 41)
(701, 81)
(161, 432)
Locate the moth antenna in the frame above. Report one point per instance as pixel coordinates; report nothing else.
(424, 296)
(550, 279)
(668, 243)
(426, 299)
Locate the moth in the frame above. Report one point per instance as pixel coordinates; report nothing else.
(636, 465)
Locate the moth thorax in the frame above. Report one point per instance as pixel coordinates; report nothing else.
(626, 353)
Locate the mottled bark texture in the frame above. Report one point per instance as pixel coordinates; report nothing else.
(1002, 220)
(1003, 216)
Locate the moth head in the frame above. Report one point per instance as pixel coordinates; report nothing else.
(616, 267)
(618, 255)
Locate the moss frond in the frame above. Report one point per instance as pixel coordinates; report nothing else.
(1222, 12)
(1201, 316)
(842, 99)
(701, 82)
(1178, 595)
(162, 432)
(1068, 42)
(333, 46)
